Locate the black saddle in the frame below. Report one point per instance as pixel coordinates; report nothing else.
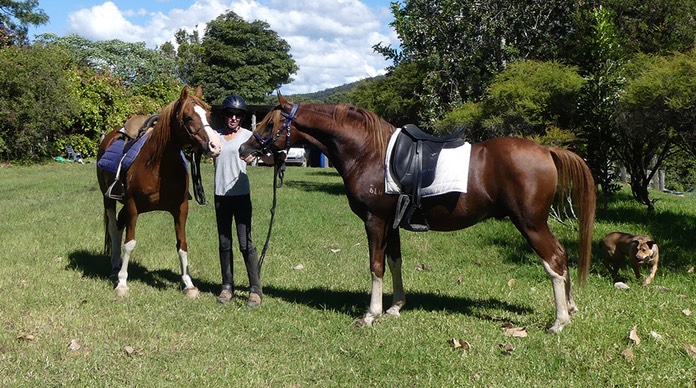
(412, 164)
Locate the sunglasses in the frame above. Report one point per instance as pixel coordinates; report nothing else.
(234, 113)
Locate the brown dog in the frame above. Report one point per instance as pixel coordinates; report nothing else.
(618, 246)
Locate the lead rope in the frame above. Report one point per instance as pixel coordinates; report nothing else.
(278, 172)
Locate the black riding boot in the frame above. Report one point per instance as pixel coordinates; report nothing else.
(227, 290)
(251, 261)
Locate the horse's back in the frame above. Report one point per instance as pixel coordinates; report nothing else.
(512, 168)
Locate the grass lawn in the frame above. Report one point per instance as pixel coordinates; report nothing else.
(61, 323)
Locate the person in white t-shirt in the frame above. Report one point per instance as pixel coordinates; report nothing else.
(233, 202)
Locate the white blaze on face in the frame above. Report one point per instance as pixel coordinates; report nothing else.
(214, 145)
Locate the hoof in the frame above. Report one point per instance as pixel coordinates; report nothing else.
(192, 292)
(393, 312)
(121, 290)
(557, 327)
(361, 322)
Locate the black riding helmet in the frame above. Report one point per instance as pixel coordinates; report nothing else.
(234, 101)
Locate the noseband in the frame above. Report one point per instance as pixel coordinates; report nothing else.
(268, 141)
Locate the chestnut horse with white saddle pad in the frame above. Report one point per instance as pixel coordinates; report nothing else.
(506, 177)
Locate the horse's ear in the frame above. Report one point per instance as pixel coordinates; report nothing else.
(282, 101)
(184, 93)
(199, 91)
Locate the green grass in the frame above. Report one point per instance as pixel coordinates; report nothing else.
(54, 288)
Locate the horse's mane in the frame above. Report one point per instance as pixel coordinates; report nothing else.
(378, 128)
(362, 120)
(162, 132)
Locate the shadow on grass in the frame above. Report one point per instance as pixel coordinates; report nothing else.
(324, 187)
(98, 266)
(345, 302)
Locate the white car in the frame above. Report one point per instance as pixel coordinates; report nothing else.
(297, 156)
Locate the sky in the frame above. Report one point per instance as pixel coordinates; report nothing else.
(331, 40)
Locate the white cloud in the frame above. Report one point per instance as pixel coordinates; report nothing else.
(331, 41)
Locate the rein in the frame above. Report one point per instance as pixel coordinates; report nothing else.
(278, 170)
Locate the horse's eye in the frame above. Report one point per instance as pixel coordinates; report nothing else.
(188, 118)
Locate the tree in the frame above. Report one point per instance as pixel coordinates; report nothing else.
(133, 63)
(244, 58)
(15, 17)
(36, 100)
(395, 97)
(601, 60)
(655, 113)
(462, 44)
(530, 98)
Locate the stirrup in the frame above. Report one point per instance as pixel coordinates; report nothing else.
(401, 206)
(115, 191)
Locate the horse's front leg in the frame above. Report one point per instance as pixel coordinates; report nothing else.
(393, 252)
(376, 232)
(181, 247)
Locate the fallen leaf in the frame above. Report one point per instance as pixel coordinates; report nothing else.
(131, 351)
(511, 282)
(516, 332)
(690, 350)
(662, 288)
(621, 286)
(335, 250)
(690, 270)
(628, 354)
(298, 267)
(686, 312)
(26, 337)
(459, 279)
(74, 345)
(422, 267)
(459, 344)
(681, 296)
(633, 335)
(656, 335)
(507, 348)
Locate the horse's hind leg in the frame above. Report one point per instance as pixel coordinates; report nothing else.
(128, 247)
(181, 247)
(555, 262)
(393, 253)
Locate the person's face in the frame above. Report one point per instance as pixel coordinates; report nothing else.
(233, 118)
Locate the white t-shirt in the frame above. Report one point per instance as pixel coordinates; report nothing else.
(230, 171)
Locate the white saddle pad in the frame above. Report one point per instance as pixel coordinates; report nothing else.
(451, 173)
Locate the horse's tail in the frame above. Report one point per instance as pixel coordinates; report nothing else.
(575, 179)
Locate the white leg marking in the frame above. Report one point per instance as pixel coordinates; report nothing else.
(122, 286)
(190, 290)
(399, 298)
(559, 294)
(375, 309)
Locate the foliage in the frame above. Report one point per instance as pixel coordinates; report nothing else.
(81, 144)
(526, 99)
(601, 60)
(463, 44)
(15, 17)
(394, 97)
(37, 100)
(657, 104)
(245, 58)
(133, 63)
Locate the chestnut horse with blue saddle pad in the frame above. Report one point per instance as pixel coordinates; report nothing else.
(156, 178)
(505, 177)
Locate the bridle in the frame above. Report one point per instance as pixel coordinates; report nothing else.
(267, 142)
(186, 119)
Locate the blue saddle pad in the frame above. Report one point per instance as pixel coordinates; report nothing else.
(115, 153)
